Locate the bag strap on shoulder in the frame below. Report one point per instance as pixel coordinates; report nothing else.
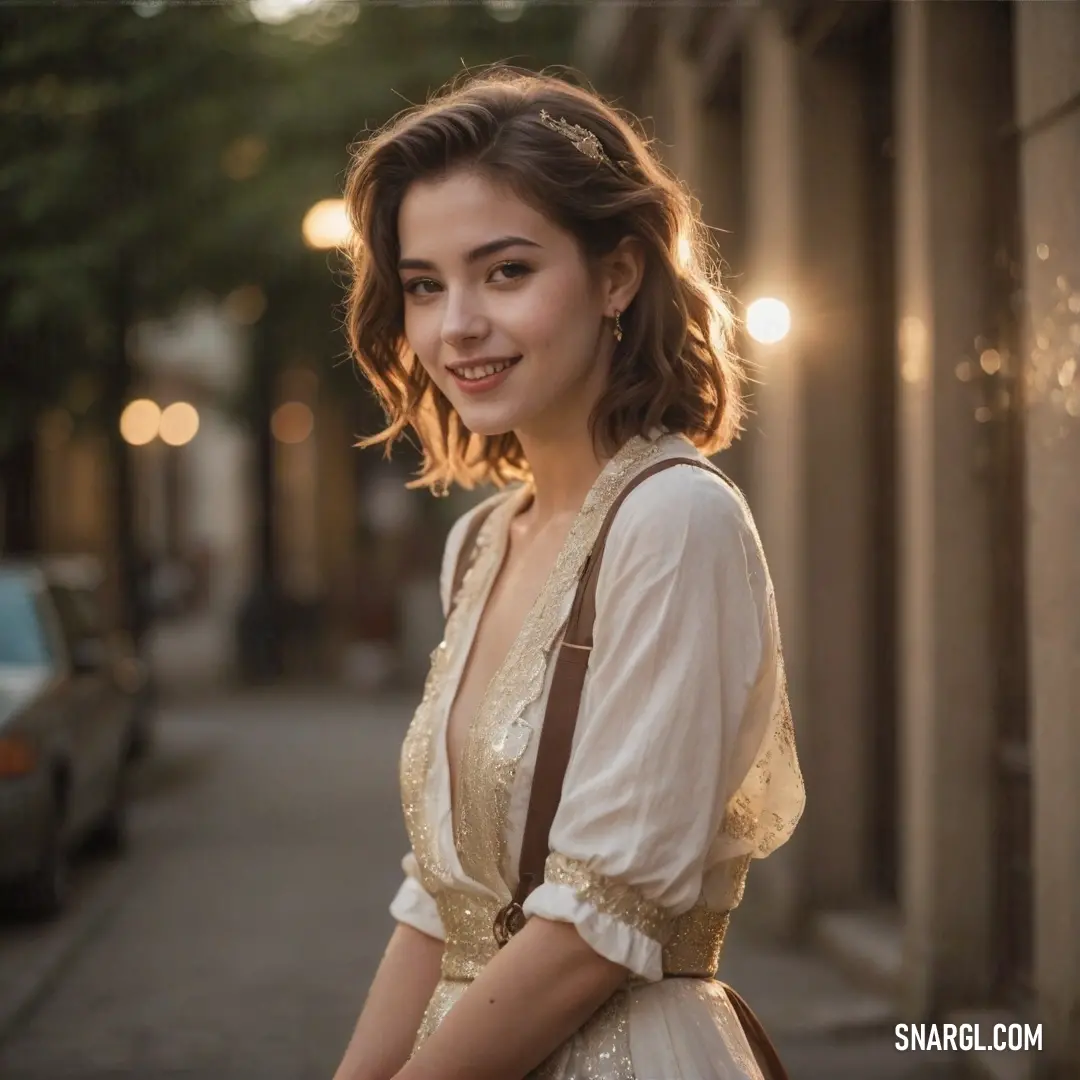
(564, 700)
(557, 737)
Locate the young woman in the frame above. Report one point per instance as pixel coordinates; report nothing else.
(531, 296)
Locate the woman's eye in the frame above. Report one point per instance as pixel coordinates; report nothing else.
(419, 286)
(511, 269)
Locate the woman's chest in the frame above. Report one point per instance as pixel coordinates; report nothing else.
(503, 620)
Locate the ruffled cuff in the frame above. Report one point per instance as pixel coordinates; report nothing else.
(414, 906)
(613, 919)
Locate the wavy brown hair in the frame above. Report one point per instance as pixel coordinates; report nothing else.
(675, 366)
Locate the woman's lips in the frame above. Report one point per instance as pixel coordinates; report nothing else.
(488, 382)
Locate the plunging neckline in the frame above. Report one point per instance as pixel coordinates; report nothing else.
(496, 529)
(519, 501)
(514, 505)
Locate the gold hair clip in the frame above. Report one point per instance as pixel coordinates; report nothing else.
(581, 137)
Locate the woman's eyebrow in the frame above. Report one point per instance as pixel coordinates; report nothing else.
(490, 248)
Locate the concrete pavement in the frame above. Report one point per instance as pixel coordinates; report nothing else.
(238, 939)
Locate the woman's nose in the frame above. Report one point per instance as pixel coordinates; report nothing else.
(463, 320)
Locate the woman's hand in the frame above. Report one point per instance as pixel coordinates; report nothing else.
(531, 997)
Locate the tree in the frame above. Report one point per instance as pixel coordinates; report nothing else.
(143, 157)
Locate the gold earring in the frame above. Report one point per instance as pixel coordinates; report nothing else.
(618, 327)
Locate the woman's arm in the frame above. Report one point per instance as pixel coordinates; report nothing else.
(399, 994)
(531, 997)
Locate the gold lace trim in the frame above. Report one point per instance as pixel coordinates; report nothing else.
(692, 942)
(419, 745)
(499, 736)
(467, 920)
(763, 813)
(696, 942)
(614, 898)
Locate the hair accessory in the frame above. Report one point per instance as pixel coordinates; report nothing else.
(618, 326)
(581, 137)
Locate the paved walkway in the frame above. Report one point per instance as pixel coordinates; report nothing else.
(238, 938)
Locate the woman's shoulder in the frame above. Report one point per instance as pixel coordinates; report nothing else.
(685, 504)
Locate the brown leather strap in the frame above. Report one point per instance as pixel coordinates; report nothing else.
(557, 737)
(772, 1068)
(564, 700)
(466, 552)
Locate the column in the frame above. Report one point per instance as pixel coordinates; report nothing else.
(837, 357)
(945, 84)
(778, 473)
(1048, 79)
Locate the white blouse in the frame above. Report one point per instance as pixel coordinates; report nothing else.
(683, 765)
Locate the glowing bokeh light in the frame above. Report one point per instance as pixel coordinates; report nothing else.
(292, 422)
(140, 422)
(768, 320)
(326, 225)
(179, 424)
(278, 12)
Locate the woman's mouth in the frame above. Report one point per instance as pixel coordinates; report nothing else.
(482, 377)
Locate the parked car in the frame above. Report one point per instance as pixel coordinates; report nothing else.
(71, 720)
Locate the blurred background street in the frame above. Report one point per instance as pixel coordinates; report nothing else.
(239, 939)
(216, 613)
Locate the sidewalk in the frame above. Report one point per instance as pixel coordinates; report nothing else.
(267, 841)
(824, 1027)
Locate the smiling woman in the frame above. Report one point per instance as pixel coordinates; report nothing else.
(604, 742)
(434, 200)
(516, 314)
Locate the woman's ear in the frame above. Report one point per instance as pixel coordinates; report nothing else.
(624, 270)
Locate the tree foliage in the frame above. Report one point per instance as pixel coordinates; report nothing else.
(149, 151)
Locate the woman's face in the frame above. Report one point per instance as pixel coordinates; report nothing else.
(501, 309)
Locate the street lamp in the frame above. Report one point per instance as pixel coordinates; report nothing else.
(768, 320)
(326, 225)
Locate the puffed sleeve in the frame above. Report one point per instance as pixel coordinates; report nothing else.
(413, 904)
(682, 680)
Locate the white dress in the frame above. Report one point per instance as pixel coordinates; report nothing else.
(683, 767)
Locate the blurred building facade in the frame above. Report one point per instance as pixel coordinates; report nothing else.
(903, 177)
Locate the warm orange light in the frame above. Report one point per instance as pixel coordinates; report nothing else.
(18, 757)
(179, 423)
(245, 305)
(140, 422)
(292, 422)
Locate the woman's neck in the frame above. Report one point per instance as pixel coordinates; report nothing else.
(564, 470)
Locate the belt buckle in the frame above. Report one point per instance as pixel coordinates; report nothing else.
(508, 922)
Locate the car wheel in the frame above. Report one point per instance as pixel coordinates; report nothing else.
(45, 892)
